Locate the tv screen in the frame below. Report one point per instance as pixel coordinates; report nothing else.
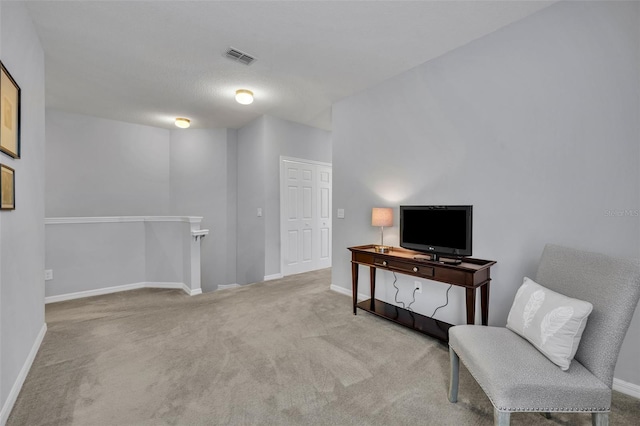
(437, 229)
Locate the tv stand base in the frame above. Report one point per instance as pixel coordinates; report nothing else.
(471, 274)
(420, 323)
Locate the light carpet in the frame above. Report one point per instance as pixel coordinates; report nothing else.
(281, 352)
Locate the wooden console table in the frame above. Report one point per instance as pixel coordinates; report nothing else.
(472, 274)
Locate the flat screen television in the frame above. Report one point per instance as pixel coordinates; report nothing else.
(438, 230)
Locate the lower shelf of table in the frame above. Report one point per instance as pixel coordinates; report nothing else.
(423, 324)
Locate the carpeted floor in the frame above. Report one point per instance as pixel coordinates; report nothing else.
(281, 352)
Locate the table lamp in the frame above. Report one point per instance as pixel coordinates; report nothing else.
(382, 216)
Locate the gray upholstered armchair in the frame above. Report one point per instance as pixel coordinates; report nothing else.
(519, 378)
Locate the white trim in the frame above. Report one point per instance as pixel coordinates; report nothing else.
(626, 388)
(188, 219)
(273, 277)
(119, 288)
(69, 220)
(346, 292)
(226, 286)
(190, 292)
(120, 219)
(304, 160)
(17, 385)
(176, 286)
(199, 232)
(90, 293)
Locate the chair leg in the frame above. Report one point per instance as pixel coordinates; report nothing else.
(600, 419)
(501, 418)
(453, 376)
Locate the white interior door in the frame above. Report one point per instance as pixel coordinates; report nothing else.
(305, 210)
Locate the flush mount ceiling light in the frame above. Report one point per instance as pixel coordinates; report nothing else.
(244, 97)
(183, 123)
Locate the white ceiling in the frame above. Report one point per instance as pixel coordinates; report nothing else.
(148, 62)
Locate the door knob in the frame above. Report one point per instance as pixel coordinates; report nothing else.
(384, 263)
(415, 269)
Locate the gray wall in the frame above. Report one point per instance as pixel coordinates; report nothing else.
(285, 138)
(201, 161)
(232, 205)
(164, 258)
(260, 145)
(99, 167)
(250, 227)
(94, 256)
(536, 125)
(22, 230)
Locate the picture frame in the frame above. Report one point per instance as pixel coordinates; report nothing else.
(7, 188)
(9, 114)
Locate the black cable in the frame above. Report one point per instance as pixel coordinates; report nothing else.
(414, 299)
(446, 303)
(397, 290)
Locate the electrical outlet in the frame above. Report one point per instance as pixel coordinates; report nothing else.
(418, 286)
(48, 274)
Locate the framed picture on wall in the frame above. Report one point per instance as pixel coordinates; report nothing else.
(9, 114)
(7, 188)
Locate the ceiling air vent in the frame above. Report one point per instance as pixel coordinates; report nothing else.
(238, 56)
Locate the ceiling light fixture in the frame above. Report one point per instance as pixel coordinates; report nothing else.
(244, 97)
(183, 123)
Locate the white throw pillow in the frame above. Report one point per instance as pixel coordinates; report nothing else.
(552, 322)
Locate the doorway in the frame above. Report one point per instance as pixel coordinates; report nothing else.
(305, 215)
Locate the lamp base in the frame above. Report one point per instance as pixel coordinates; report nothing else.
(382, 249)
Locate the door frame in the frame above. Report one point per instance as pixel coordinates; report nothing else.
(284, 158)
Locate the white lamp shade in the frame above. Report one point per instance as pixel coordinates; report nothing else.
(382, 216)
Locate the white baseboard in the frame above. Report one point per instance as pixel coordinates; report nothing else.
(273, 277)
(119, 288)
(17, 385)
(346, 292)
(96, 292)
(193, 292)
(226, 286)
(177, 286)
(626, 388)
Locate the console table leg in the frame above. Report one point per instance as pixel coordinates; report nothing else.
(354, 285)
(484, 303)
(471, 305)
(373, 285)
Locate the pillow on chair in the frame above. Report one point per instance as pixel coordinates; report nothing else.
(550, 321)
